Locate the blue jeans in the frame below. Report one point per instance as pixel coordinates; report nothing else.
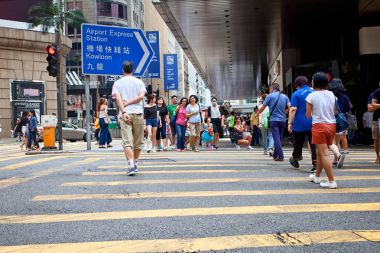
(152, 122)
(277, 128)
(32, 137)
(267, 139)
(161, 132)
(255, 136)
(181, 130)
(105, 135)
(173, 126)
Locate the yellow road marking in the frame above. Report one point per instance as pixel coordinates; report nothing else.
(209, 161)
(116, 173)
(186, 212)
(211, 180)
(203, 194)
(28, 163)
(360, 170)
(88, 160)
(221, 243)
(12, 181)
(21, 156)
(159, 165)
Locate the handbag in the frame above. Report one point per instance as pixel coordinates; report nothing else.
(274, 107)
(266, 120)
(341, 121)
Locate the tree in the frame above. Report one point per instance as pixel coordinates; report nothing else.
(53, 13)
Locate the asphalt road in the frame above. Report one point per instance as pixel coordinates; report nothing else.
(213, 201)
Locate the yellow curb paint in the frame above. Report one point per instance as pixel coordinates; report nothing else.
(195, 194)
(29, 163)
(188, 212)
(220, 243)
(211, 180)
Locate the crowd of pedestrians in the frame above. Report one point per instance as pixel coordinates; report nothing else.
(26, 131)
(318, 111)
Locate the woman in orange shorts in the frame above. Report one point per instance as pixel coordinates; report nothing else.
(321, 107)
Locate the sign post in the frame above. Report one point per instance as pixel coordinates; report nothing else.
(105, 48)
(170, 72)
(88, 108)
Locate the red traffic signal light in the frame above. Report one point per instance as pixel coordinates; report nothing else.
(52, 60)
(51, 49)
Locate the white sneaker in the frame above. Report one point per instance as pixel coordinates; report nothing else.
(250, 147)
(237, 147)
(313, 178)
(340, 161)
(154, 150)
(270, 152)
(330, 185)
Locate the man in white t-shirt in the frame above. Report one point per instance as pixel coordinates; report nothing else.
(129, 92)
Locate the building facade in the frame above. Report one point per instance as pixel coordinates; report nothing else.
(24, 81)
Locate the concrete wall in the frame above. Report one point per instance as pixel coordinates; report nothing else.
(23, 57)
(369, 40)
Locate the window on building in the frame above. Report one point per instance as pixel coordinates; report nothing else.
(79, 5)
(70, 5)
(76, 46)
(104, 9)
(121, 11)
(70, 30)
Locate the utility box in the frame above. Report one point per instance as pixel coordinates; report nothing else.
(49, 123)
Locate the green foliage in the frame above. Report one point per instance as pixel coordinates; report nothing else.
(54, 14)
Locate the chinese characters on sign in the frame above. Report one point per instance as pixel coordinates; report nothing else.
(105, 48)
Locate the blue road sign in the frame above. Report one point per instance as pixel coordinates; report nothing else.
(170, 72)
(104, 48)
(154, 67)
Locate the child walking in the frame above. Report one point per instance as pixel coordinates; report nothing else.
(208, 134)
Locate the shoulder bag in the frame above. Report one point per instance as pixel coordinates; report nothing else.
(274, 107)
(341, 121)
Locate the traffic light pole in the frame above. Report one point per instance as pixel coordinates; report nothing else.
(59, 90)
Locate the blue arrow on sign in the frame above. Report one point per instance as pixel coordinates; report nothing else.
(105, 48)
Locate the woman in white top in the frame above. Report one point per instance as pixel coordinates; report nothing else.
(105, 136)
(193, 114)
(321, 107)
(266, 133)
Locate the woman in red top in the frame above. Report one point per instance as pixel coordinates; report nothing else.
(181, 122)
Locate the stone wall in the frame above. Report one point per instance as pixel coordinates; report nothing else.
(23, 57)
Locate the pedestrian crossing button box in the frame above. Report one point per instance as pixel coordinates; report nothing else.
(49, 123)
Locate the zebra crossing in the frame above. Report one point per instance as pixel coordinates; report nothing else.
(217, 201)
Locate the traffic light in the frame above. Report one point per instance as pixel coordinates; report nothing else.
(52, 60)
